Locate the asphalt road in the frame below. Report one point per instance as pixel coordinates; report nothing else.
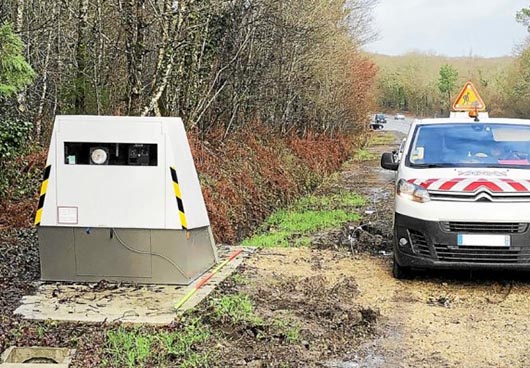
(401, 126)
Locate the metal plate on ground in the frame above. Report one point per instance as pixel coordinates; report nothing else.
(109, 302)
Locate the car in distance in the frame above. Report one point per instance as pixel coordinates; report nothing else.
(380, 118)
(376, 126)
(399, 116)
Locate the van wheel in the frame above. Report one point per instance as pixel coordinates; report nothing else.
(400, 272)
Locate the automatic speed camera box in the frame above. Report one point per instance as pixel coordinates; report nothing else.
(121, 200)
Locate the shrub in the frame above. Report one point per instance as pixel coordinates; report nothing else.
(14, 136)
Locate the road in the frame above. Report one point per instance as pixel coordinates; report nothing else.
(401, 126)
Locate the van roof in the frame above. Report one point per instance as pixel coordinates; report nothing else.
(460, 120)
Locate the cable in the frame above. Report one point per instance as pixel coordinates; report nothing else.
(148, 253)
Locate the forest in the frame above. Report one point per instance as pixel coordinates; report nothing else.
(290, 64)
(290, 73)
(277, 93)
(426, 85)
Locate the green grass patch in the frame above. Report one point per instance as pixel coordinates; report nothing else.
(139, 348)
(341, 200)
(303, 222)
(128, 348)
(293, 226)
(276, 239)
(363, 155)
(290, 328)
(239, 279)
(236, 309)
(381, 139)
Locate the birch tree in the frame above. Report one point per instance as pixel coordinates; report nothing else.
(81, 57)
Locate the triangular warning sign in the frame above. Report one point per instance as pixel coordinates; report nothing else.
(469, 99)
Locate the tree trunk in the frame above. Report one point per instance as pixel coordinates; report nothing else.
(19, 25)
(81, 58)
(19, 19)
(136, 25)
(167, 61)
(40, 110)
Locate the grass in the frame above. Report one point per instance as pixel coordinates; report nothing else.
(41, 331)
(235, 308)
(183, 346)
(277, 239)
(128, 348)
(306, 221)
(293, 226)
(239, 279)
(290, 328)
(363, 155)
(139, 348)
(381, 139)
(239, 309)
(342, 199)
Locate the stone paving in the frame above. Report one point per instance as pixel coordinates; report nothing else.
(145, 304)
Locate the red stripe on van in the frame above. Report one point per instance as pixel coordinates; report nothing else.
(515, 185)
(483, 183)
(448, 185)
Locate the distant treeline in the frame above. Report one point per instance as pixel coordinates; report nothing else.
(426, 85)
(294, 65)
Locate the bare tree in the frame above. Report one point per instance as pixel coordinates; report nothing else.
(294, 65)
(81, 57)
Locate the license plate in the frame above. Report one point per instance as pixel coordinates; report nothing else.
(476, 240)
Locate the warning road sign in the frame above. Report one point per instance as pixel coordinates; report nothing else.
(469, 99)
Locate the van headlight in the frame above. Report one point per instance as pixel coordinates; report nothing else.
(413, 192)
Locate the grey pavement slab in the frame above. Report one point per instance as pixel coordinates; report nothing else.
(145, 304)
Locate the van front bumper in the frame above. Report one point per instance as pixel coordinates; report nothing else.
(434, 244)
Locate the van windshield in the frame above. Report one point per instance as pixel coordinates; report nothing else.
(471, 145)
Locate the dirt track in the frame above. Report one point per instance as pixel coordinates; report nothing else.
(444, 319)
(435, 320)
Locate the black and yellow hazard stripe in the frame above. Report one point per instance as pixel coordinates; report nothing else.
(43, 190)
(178, 195)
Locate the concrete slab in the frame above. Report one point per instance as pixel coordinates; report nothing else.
(36, 357)
(146, 304)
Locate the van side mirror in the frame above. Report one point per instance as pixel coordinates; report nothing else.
(388, 163)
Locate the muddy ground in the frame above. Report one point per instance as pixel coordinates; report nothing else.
(339, 297)
(438, 319)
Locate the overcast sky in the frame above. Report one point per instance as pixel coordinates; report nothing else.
(449, 27)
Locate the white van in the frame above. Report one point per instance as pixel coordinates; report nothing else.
(462, 195)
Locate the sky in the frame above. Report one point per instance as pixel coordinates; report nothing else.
(448, 27)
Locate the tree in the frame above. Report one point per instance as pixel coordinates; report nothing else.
(82, 58)
(447, 81)
(15, 72)
(516, 88)
(523, 17)
(295, 65)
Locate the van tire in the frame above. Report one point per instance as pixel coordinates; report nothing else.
(400, 272)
